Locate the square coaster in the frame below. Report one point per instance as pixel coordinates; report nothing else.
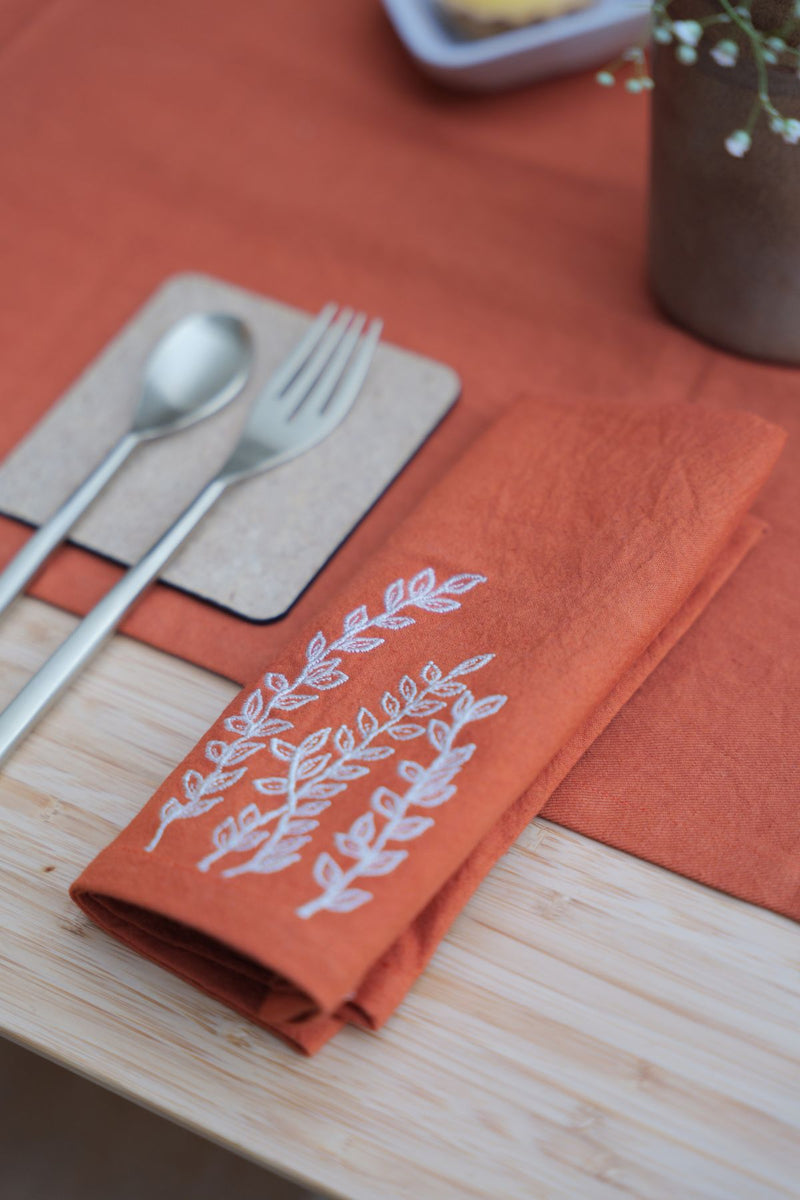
(256, 551)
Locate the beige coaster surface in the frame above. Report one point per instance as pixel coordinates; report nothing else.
(266, 539)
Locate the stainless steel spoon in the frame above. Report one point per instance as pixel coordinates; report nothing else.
(197, 367)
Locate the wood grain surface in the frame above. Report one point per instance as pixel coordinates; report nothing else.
(592, 1028)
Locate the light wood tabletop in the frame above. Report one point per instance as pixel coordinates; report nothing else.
(592, 1027)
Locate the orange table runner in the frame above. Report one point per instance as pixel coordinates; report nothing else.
(293, 148)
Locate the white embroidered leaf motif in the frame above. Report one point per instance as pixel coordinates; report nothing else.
(296, 826)
(348, 770)
(487, 707)
(349, 900)
(314, 741)
(225, 833)
(316, 648)
(327, 871)
(472, 664)
(242, 750)
(326, 681)
(367, 722)
(448, 687)
(276, 682)
(171, 809)
(435, 797)
(403, 733)
(393, 622)
(410, 771)
(225, 779)
(239, 725)
(313, 766)
(313, 776)
(269, 865)
(249, 841)
(421, 585)
(386, 802)
(383, 862)
(285, 751)
(313, 809)
(273, 725)
(295, 700)
(249, 816)
(463, 705)
(363, 829)
(323, 790)
(360, 645)
(372, 753)
(393, 596)
(347, 846)
(215, 750)
(462, 583)
(192, 785)
(291, 844)
(431, 673)
(344, 739)
(196, 808)
(410, 827)
(253, 705)
(437, 734)
(424, 708)
(366, 841)
(275, 786)
(439, 604)
(357, 619)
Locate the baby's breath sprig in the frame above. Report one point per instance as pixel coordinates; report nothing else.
(737, 35)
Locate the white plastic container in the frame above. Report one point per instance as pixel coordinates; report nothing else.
(574, 42)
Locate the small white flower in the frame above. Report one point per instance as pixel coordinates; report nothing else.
(663, 35)
(688, 32)
(776, 124)
(725, 53)
(791, 131)
(605, 78)
(777, 44)
(738, 143)
(686, 54)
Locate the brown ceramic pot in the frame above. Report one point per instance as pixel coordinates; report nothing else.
(724, 232)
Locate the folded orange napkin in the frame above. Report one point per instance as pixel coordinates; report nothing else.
(305, 859)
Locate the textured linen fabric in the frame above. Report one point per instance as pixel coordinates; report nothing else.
(305, 859)
(294, 149)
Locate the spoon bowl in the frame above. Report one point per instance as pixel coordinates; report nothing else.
(199, 364)
(197, 367)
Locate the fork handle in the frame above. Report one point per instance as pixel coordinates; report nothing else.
(86, 639)
(41, 544)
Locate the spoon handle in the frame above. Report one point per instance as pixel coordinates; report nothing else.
(86, 639)
(41, 544)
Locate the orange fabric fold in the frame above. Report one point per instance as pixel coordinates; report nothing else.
(304, 860)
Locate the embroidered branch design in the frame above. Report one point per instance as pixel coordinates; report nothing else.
(367, 842)
(322, 766)
(321, 672)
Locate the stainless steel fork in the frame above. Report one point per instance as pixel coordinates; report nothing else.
(303, 401)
